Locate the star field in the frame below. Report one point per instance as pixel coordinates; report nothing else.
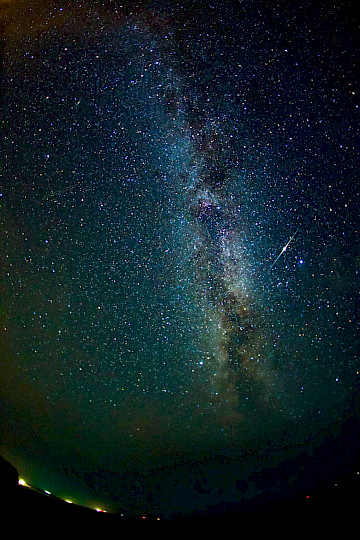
(179, 230)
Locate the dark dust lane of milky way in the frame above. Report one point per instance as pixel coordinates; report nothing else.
(178, 249)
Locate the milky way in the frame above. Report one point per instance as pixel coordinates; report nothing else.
(179, 242)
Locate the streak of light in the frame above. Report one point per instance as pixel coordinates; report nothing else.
(283, 250)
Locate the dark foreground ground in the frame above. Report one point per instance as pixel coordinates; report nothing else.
(336, 504)
(331, 502)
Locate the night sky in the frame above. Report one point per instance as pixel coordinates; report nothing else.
(179, 246)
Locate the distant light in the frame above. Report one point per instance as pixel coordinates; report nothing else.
(22, 483)
(70, 502)
(47, 492)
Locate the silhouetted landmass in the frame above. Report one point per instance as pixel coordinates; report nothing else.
(330, 486)
(9, 475)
